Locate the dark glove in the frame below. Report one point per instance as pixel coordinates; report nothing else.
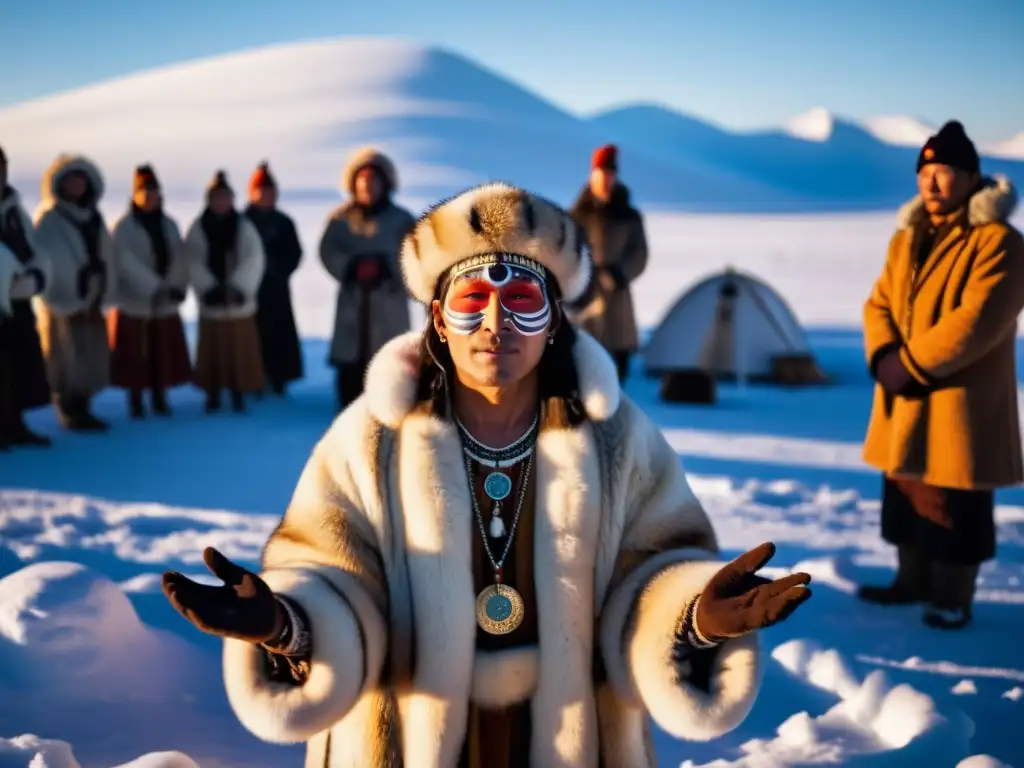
(235, 297)
(736, 602)
(243, 608)
(893, 375)
(216, 296)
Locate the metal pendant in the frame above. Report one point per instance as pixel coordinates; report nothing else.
(499, 609)
(497, 485)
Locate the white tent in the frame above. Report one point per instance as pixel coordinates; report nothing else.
(732, 326)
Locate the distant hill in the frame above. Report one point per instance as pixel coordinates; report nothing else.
(818, 155)
(448, 123)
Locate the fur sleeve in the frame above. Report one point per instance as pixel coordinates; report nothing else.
(177, 272)
(106, 251)
(334, 255)
(61, 291)
(252, 260)
(195, 255)
(667, 555)
(136, 281)
(38, 262)
(325, 556)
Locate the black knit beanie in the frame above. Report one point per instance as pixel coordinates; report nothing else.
(950, 146)
(219, 181)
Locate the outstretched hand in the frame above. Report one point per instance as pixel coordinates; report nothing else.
(736, 601)
(243, 607)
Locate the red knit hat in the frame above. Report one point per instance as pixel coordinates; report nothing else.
(262, 177)
(606, 157)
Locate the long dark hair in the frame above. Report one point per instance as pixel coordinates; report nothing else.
(557, 376)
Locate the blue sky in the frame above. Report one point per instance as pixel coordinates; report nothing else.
(744, 63)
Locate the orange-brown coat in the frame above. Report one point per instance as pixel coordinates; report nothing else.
(954, 318)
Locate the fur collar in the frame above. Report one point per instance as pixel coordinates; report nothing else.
(994, 202)
(391, 379)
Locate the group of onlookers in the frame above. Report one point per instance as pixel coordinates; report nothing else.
(84, 307)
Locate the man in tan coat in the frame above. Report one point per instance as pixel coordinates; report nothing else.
(614, 232)
(939, 331)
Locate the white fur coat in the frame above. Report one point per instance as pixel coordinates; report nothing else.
(135, 266)
(11, 269)
(376, 547)
(246, 273)
(58, 237)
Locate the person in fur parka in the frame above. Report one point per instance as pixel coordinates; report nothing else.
(24, 272)
(359, 248)
(146, 333)
(226, 265)
(71, 231)
(493, 557)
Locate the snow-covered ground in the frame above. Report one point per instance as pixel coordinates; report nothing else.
(95, 663)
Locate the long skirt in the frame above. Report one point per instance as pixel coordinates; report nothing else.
(229, 355)
(76, 351)
(148, 353)
(279, 339)
(23, 382)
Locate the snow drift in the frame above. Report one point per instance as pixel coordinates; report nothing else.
(74, 657)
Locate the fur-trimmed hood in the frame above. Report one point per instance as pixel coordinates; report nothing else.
(63, 165)
(994, 202)
(495, 218)
(392, 375)
(362, 158)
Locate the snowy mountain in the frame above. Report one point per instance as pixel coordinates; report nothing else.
(900, 130)
(448, 123)
(1011, 148)
(835, 161)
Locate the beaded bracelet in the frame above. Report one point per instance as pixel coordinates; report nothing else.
(295, 635)
(688, 631)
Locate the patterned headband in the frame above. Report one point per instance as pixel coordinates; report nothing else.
(490, 259)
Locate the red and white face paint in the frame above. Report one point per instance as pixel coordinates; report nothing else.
(522, 294)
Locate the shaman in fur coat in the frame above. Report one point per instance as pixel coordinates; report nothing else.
(376, 547)
(77, 355)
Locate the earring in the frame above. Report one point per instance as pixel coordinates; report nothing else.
(444, 339)
(551, 338)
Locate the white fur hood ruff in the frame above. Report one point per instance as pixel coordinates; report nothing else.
(392, 374)
(994, 202)
(49, 191)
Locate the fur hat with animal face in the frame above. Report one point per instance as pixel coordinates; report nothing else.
(491, 220)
